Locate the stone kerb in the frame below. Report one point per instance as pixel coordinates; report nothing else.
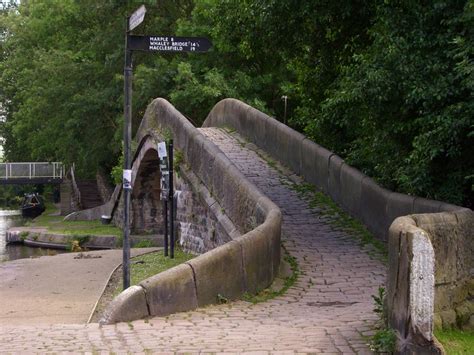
(228, 271)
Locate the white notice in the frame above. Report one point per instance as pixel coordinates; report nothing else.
(127, 179)
(162, 150)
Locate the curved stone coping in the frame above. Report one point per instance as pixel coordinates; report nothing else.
(242, 265)
(430, 258)
(248, 263)
(41, 237)
(357, 193)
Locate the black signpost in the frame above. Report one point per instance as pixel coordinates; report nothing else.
(158, 43)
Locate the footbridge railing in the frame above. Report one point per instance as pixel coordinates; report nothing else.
(31, 172)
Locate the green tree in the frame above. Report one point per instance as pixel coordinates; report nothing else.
(59, 82)
(404, 107)
(387, 85)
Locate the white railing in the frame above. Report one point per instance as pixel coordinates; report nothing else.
(11, 171)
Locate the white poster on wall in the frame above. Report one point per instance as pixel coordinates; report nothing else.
(127, 179)
(162, 150)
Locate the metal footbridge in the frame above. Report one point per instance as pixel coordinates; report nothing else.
(31, 173)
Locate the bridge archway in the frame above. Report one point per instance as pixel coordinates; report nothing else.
(146, 211)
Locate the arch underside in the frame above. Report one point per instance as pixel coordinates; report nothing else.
(147, 212)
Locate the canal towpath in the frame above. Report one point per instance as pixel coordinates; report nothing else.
(56, 289)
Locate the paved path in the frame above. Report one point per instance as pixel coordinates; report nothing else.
(55, 289)
(328, 310)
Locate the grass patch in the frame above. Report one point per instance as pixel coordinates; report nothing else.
(270, 293)
(147, 265)
(456, 341)
(340, 219)
(55, 224)
(143, 244)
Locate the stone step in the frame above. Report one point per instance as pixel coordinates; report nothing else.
(90, 196)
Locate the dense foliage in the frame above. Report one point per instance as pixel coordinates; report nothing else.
(387, 85)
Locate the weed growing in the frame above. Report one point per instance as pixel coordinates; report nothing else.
(269, 293)
(338, 218)
(384, 339)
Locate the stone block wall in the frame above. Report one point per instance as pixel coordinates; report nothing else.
(430, 277)
(197, 227)
(452, 237)
(200, 224)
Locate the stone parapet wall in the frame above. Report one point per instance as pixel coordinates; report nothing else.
(66, 205)
(247, 263)
(430, 280)
(355, 192)
(70, 201)
(105, 189)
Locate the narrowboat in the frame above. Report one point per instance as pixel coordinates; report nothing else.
(32, 205)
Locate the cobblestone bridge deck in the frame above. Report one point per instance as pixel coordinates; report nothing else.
(328, 310)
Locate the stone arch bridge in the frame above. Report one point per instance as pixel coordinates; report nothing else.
(238, 178)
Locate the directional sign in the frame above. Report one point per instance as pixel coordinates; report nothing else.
(168, 44)
(137, 17)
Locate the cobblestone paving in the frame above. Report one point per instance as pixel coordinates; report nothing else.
(328, 310)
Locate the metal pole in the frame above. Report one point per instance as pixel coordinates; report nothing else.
(171, 199)
(285, 98)
(127, 135)
(165, 215)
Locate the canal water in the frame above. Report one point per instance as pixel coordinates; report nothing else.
(10, 218)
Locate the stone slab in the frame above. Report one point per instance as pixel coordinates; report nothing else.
(127, 306)
(315, 164)
(334, 178)
(257, 259)
(423, 205)
(171, 291)
(373, 206)
(219, 274)
(351, 188)
(399, 205)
